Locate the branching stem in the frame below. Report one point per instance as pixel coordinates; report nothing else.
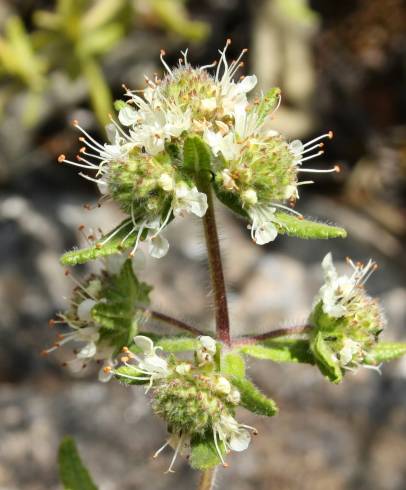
(273, 334)
(173, 322)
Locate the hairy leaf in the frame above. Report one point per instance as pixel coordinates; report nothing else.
(325, 359)
(232, 364)
(114, 245)
(385, 351)
(302, 228)
(73, 474)
(203, 452)
(252, 399)
(280, 350)
(196, 155)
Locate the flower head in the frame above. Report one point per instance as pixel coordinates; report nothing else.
(345, 319)
(192, 397)
(89, 320)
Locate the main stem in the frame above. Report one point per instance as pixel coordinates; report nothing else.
(207, 480)
(216, 269)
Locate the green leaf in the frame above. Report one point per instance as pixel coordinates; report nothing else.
(280, 350)
(73, 474)
(177, 343)
(385, 351)
(232, 364)
(114, 245)
(173, 343)
(268, 103)
(126, 375)
(203, 452)
(119, 314)
(196, 155)
(325, 359)
(302, 228)
(285, 223)
(252, 399)
(230, 200)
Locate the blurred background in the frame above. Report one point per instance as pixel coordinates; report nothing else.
(341, 66)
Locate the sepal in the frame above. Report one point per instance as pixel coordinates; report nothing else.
(118, 242)
(326, 359)
(252, 399)
(203, 452)
(385, 351)
(291, 225)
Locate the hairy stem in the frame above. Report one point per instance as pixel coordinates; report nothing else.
(207, 479)
(216, 270)
(174, 322)
(273, 334)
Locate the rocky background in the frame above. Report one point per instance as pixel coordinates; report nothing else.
(341, 66)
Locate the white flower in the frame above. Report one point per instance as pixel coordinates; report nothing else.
(158, 245)
(224, 144)
(233, 435)
(152, 363)
(263, 229)
(338, 291)
(84, 310)
(350, 349)
(189, 200)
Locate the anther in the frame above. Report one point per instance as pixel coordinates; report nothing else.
(81, 227)
(225, 465)
(125, 359)
(107, 369)
(162, 52)
(51, 323)
(337, 168)
(67, 272)
(61, 158)
(228, 42)
(83, 149)
(330, 135)
(75, 123)
(125, 349)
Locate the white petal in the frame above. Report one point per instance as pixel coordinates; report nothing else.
(154, 364)
(88, 351)
(266, 233)
(127, 116)
(103, 187)
(114, 263)
(240, 440)
(158, 246)
(145, 344)
(247, 84)
(84, 310)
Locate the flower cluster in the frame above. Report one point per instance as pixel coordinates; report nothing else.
(142, 166)
(89, 316)
(347, 320)
(193, 398)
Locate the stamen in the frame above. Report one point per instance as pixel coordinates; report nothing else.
(169, 470)
(320, 171)
(157, 453)
(315, 155)
(161, 55)
(76, 125)
(328, 135)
